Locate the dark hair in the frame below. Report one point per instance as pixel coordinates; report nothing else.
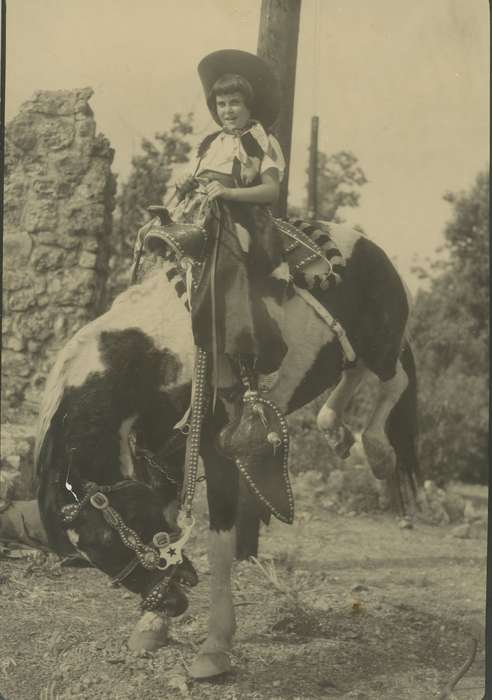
(226, 85)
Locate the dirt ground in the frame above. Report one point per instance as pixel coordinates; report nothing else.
(370, 612)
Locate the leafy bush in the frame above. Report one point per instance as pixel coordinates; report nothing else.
(450, 331)
(146, 185)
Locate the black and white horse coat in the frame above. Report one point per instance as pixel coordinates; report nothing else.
(132, 367)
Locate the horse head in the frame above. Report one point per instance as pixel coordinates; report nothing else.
(129, 365)
(122, 530)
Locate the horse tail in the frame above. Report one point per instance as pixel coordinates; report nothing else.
(402, 426)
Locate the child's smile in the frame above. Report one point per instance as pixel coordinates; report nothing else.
(231, 111)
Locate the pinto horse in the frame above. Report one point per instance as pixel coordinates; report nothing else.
(128, 373)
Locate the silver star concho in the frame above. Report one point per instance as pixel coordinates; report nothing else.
(174, 554)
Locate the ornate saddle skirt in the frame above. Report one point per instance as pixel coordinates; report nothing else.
(182, 239)
(313, 258)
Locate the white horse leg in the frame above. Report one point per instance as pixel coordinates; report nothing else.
(380, 454)
(330, 417)
(212, 659)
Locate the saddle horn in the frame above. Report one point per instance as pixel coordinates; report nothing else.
(161, 212)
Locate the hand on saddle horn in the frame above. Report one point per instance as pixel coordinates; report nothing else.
(216, 190)
(184, 185)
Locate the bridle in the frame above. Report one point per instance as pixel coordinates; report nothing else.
(164, 552)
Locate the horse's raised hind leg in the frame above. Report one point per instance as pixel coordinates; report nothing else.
(330, 418)
(380, 454)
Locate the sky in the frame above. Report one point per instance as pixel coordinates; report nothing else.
(404, 86)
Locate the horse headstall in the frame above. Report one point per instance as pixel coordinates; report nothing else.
(165, 550)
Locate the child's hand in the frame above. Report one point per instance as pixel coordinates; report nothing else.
(185, 184)
(215, 190)
(184, 181)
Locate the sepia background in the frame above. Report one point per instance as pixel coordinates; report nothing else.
(402, 95)
(404, 88)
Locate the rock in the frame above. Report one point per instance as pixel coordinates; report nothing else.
(9, 482)
(405, 524)
(58, 238)
(431, 509)
(14, 280)
(359, 588)
(45, 188)
(102, 148)
(461, 532)
(21, 133)
(58, 102)
(59, 191)
(81, 220)
(87, 259)
(13, 343)
(46, 258)
(22, 299)
(38, 327)
(55, 285)
(454, 506)
(470, 514)
(56, 134)
(33, 346)
(12, 462)
(90, 244)
(40, 216)
(17, 248)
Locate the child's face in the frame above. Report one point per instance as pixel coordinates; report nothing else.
(231, 111)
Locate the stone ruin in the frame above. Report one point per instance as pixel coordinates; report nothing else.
(58, 202)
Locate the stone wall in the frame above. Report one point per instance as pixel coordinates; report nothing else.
(59, 197)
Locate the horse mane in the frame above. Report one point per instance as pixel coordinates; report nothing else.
(56, 382)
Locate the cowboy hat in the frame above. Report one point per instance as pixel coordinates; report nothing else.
(257, 72)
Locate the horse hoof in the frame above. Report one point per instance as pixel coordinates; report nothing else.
(380, 455)
(209, 665)
(340, 439)
(150, 633)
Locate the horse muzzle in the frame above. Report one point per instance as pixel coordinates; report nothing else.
(175, 601)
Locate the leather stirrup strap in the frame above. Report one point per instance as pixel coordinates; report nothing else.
(215, 355)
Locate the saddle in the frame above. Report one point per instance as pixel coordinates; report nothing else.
(257, 439)
(313, 258)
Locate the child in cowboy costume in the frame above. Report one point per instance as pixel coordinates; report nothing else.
(237, 306)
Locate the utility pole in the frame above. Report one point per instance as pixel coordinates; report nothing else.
(277, 45)
(313, 171)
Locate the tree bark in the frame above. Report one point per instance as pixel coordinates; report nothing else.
(277, 45)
